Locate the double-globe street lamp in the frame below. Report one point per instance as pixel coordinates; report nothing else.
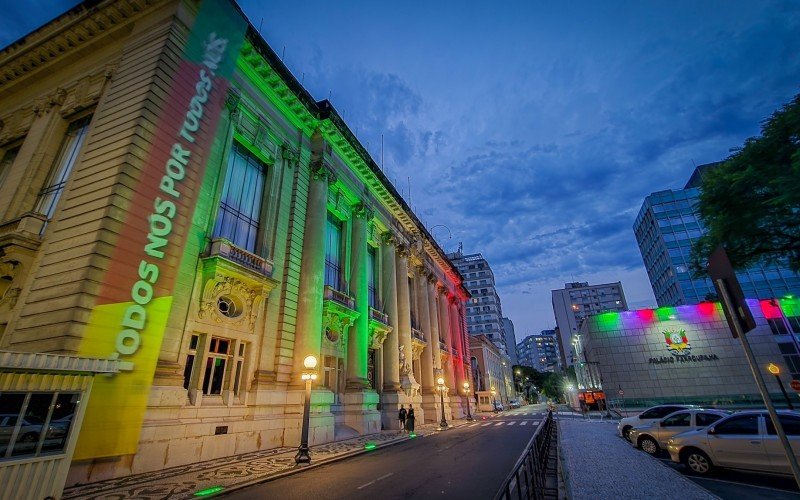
(309, 375)
(466, 395)
(440, 382)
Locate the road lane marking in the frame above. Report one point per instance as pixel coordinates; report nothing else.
(484, 425)
(499, 423)
(375, 480)
(512, 422)
(524, 422)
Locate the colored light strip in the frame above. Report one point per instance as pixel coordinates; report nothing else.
(208, 491)
(370, 446)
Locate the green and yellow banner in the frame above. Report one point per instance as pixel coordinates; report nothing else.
(158, 242)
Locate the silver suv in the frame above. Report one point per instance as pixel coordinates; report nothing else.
(653, 437)
(647, 416)
(745, 440)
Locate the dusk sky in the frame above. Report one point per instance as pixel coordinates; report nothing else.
(534, 130)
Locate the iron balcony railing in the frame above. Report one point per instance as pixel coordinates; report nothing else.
(378, 316)
(527, 478)
(417, 334)
(342, 298)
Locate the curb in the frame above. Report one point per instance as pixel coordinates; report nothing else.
(297, 470)
(562, 466)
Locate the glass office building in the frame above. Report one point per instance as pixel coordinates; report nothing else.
(667, 225)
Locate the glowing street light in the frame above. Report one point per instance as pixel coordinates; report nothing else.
(466, 394)
(440, 382)
(776, 370)
(309, 375)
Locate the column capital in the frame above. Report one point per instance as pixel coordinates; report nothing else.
(441, 289)
(403, 251)
(432, 279)
(388, 238)
(323, 171)
(363, 211)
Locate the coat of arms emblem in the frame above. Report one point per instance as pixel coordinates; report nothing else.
(677, 341)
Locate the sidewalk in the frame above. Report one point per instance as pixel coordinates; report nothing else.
(596, 463)
(234, 472)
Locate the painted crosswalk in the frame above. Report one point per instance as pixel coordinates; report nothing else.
(501, 423)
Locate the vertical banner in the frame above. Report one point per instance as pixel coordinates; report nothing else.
(135, 301)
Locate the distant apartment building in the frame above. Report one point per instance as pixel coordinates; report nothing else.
(491, 371)
(511, 341)
(484, 313)
(667, 226)
(578, 300)
(540, 351)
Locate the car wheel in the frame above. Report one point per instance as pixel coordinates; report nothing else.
(697, 461)
(626, 433)
(648, 445)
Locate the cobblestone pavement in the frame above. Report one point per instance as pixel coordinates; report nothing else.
(596, 463)
(230, 472)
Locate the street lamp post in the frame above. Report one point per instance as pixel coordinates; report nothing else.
(466, 394)
(440, 382)
(494, 401)
(309, 374)
(775, 370)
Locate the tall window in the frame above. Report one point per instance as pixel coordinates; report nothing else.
(65, 162)
(240, 206)
(6, 162)
(372, 290)
(333, 253)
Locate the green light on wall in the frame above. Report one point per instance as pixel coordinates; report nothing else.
(412, 435)
(666, 313)
(609, 321)
(208, 491)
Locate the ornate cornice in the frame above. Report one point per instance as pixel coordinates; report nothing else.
(68, 33)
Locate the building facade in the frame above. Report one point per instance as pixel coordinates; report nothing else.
(540, 351)
(575, 302)
(666, 227)
(511, 340)
(484, 312)
(686, 354)
(491, 370)
(173, 198)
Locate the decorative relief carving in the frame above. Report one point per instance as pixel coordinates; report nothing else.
(290, 154)
(230, 301)
(388, 238)
(402, 251)
(407, 381)
(323, 172)
(16, 123)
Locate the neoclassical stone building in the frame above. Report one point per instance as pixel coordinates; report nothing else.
(172, 198)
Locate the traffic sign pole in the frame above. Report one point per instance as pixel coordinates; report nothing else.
(762, 386)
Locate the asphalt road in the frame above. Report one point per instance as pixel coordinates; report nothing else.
(464, 462)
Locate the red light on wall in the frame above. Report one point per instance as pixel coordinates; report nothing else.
(647, 315)
(707, 308)
(770, 309)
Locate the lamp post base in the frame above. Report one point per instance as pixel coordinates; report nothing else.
(302, 456)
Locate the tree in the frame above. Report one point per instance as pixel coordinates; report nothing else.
(751, 202)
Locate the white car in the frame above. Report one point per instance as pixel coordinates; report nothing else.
(745, 440)
(647, 416)
(653, 437)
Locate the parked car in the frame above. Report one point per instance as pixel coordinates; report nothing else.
(745, 440)
(513, 403)
(498, 406)
(653, 437)
(647, 416)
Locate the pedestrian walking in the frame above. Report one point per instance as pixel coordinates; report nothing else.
(402, 417)
(410, 418)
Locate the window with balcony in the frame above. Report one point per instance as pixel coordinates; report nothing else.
(238, 220)
(65, 161)
(333, 253)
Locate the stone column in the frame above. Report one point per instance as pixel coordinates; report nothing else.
(403, 313)
(426, 359)
(456, 334)
(445, 332)
(359, 332)
(308, 332)
(391, 350)
(433, 309)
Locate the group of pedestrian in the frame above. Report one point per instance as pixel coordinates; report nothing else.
(406, 418)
